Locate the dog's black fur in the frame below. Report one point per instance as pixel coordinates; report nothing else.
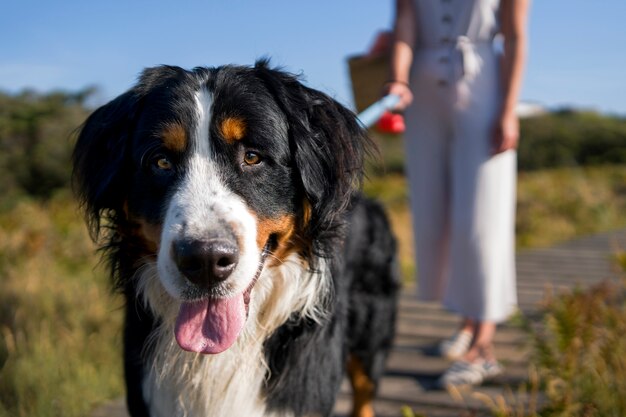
(127, 173)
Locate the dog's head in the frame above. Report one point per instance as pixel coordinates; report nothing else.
(205, 172)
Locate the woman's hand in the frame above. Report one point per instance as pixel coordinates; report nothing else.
(505, 133)
(402, 90)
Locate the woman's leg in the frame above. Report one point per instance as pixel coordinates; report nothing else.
(481, 347)
(478, 363)
(457, 346)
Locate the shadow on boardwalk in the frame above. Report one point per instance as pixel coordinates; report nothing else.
(413, 369)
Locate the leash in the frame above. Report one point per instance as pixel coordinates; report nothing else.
(370, 115)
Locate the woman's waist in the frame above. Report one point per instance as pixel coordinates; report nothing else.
(450, 44)
(460, 58)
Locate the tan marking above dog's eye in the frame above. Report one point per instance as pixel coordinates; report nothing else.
(174, 136)
(233, 129)
(251, 158)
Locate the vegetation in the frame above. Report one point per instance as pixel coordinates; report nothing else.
(35, 142)
(59, 323)
(580, 352)
(60, 326)
(569, 138)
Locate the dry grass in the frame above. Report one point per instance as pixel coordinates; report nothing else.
(556, 205)
(580, 352)
(58, 322)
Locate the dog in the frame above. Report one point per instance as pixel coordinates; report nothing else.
(226, 204)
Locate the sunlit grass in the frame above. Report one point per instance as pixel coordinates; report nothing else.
(556, 205)
(579, 350)
(59, 324)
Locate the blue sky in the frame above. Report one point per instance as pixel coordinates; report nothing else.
(577, 47)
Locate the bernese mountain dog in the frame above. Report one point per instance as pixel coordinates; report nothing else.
(255, 276)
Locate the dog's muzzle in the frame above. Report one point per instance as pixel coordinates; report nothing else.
(211, 325)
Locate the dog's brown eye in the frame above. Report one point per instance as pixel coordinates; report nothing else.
(163, 163)
(251, 158)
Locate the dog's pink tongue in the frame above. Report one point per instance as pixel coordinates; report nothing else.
(210, 326)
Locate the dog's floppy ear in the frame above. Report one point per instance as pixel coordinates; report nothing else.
(327, 142)
(98, 158)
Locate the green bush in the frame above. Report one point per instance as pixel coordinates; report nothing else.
(569, 138)
(36, 140)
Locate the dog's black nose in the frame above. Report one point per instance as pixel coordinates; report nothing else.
(205, 262)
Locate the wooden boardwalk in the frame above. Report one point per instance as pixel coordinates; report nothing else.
(413, 369)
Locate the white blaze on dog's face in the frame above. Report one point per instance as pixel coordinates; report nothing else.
(208, 257)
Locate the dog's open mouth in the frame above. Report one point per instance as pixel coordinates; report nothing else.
(212, 325)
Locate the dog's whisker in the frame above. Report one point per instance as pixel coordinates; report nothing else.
(276, 258)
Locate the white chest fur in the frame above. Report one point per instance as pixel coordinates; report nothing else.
(184, 384)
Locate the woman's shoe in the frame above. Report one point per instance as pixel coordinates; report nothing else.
(455, 347)
(470, 373)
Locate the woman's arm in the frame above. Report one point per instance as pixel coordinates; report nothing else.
(513, 17)
(402, 53)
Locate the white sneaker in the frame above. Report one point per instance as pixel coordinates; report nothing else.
(470, 373)
(455, 347)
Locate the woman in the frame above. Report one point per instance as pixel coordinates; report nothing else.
(459, 97)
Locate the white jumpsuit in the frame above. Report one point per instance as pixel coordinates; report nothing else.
(462, 197)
